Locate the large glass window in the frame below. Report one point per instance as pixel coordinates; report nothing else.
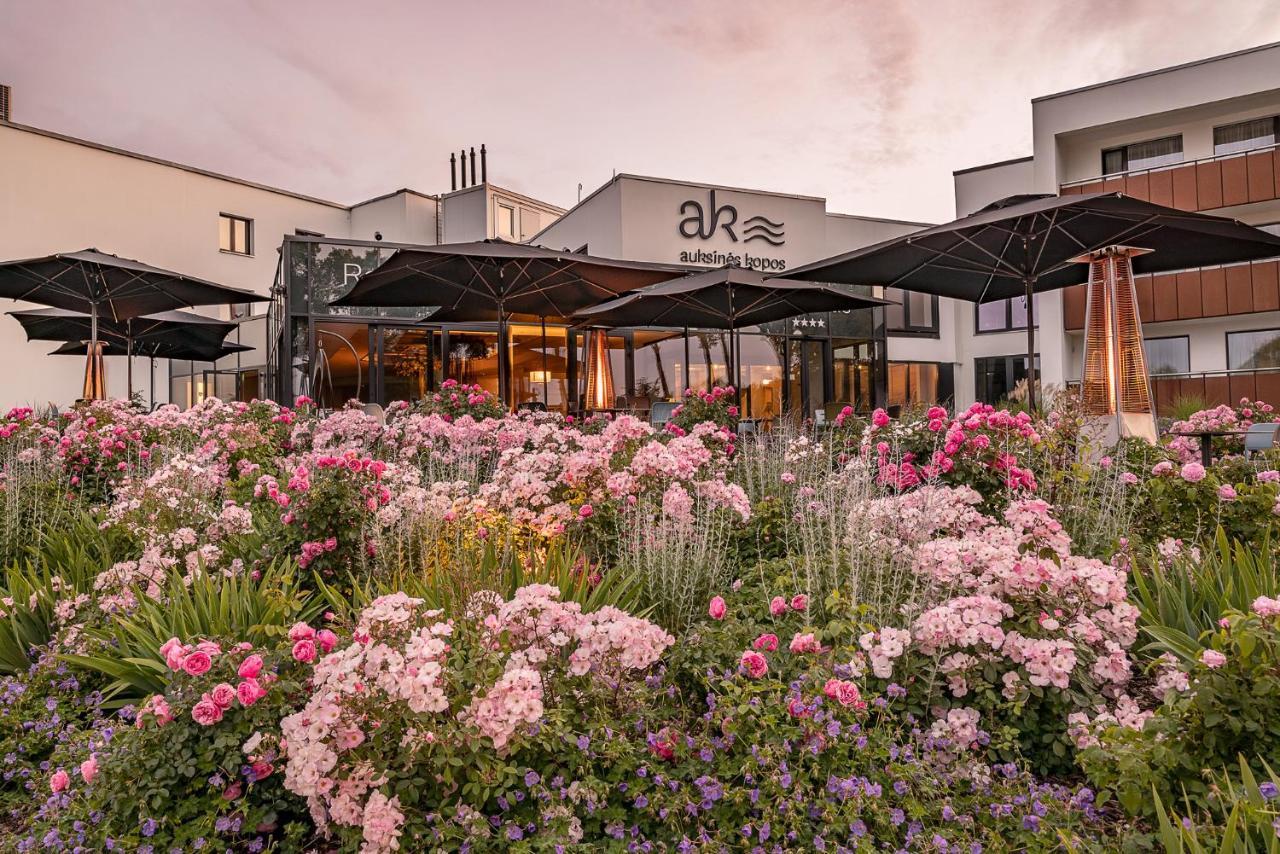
(1243, 136)
(1003, 315)
(914, 383)
(1251, 350)
(708, 359)
(760, 364)
(806, 392)
(473, 359)
(853, 363)
(539, 367)
(911, 312)
(341, 370)
(411, 363)
(1153, 153)
(1168, 355)
(659, 365)
(999, 375)
(235, 234)
(504, 221)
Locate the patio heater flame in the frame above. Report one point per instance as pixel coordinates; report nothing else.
(95, 373)
(599, 371)
(1114, 382)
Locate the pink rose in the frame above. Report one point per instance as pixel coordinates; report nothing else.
(799, 602)
(754, 664)
(717, 608)
(301, 631)
(1212, 659)
(1193, 472)
(768, 643)
(59, 781)
(849, 695)
(206, 712)
(250, 667)
(327, 640)
(778, 606)
(585, 511)
(249, 692)
(89, 768)
(261, 770)
(304, 650)
(1226, 492)
(805, 643)
(880, 418)
(223, 695)
(197, 663)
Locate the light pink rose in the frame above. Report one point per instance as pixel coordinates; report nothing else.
(89, 769)
(249, 692)
(59, 781)
(250, 667)
(327, 640)
(767, 643)
(778, 606)
(206, 712)
(1193, 472)
(717, 608)
(197, 663)
(301, 631)
(1212, 659)
(1226, 492)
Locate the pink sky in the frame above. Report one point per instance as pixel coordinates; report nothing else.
(870, 104)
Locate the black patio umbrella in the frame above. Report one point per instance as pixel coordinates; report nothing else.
(106, 286)
(1028, 244)
(167, 328)
(481, 279)
(723, 298)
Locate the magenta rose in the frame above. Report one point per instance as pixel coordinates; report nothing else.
(304, 650)
(768, 643)
(249, 692)
(250, 667)
(223, 695)
(717, 608)
(754, 664)
(197, 663)
(327, 640)
(799, 602)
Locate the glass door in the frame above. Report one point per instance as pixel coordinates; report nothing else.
(411, 363)
(806, 378)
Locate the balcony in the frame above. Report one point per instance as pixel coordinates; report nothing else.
(1193, 294)
(1215, 387)
(1198, 185)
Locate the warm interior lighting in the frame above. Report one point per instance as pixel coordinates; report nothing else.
(95, 373)
(599, 371)
(1114, 381)
(539, 377)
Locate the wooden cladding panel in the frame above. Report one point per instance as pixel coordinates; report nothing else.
(1239, 289)
(1073, 300)
(1235, 181)
(1184, 187)
(1164, 291)
(1146, 300)
(1189, 305)
(1267, 387)
(1242, 385)
(1217, 388)
(1266, 286)
(1138, 186)
(1208, 185)
(1261, 171)
(1213, 292)
(1161, 184)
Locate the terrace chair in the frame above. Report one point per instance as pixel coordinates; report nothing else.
(374, 411)
(1261, 437)
(660, 413)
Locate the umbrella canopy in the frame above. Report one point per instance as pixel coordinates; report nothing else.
(1024, 245)
(993, 253)
(477, 280)
(117, 288)
(160, 349)
(723, 298)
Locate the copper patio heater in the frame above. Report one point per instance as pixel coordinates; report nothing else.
(95, 373)
(599, 371)
(1115, 384)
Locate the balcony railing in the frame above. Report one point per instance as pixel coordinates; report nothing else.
(1196, 185)
(1215, 387)
(1193, 294)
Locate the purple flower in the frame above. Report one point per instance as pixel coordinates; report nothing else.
(149, 827)
(1269, 790)
(532, 778)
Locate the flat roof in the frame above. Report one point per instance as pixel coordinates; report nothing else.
(1153, 73)
(995, 165)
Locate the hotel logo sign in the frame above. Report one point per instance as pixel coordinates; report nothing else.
(701, 222)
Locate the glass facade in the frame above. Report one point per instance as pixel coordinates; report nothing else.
(806, 367)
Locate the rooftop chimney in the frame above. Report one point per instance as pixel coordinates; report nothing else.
(6, 102)
(459, 162)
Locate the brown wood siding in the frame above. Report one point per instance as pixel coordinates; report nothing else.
(1266, 286)
(1189, 295)
(1267, 387)
(1213, 291)
(1208, 185)
(1073, 301)
(1241, 385)
(1239, 289)
(1146, 300)
(1184, 187)
(1138, 186)
(1261, 169)
(1235, 181)
(1161, 184)
(1217, 388)
(1164, 290)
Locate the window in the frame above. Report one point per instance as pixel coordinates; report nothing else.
(1252, 350)
(997, 376)
(1168, 355)
(235, 234)
(1003, 315)
(911, 313)
(504, 225)
(918, 383)
(530, 223)
(1142, 155)
(1242, 136)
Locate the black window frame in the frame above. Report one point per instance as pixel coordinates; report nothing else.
(909, 329)
(1186, 339)
(1124, 153)
(1275, 135)
(979, 374)
(1008, 317)
(248, 234)
(1231, 332)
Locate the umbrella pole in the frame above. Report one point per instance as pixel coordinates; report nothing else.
(504, 365)
(152, 382)
(1031, 345)
(128, 360)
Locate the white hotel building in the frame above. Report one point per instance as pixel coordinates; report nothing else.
(1201, 136)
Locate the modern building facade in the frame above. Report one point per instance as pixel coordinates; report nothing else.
(1202, 136)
